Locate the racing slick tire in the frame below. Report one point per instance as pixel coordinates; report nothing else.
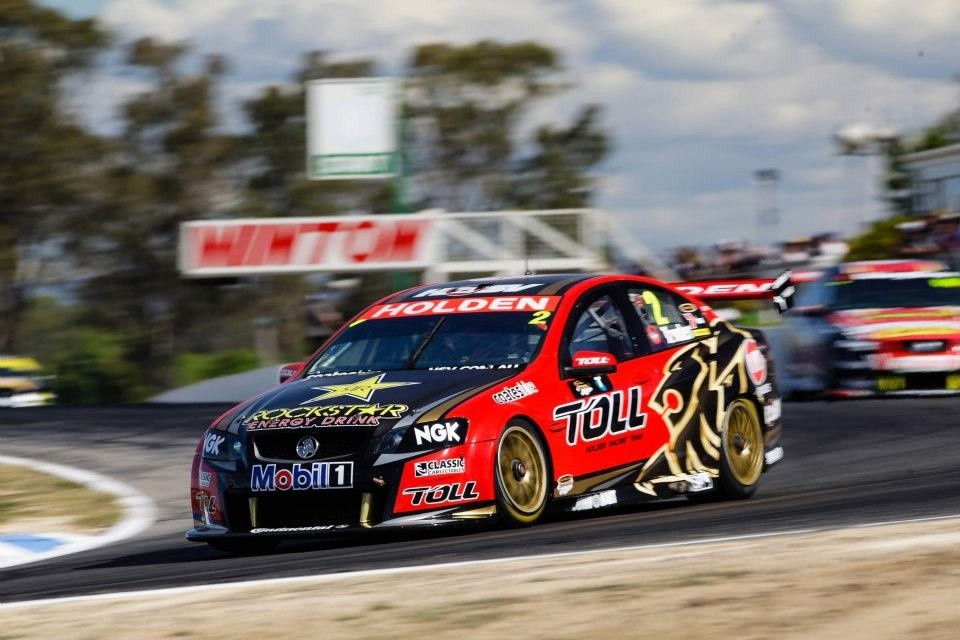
(521, 475)
(244, 547)
(741, 451)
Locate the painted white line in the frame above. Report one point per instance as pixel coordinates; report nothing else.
(138, 509)
(330, 577)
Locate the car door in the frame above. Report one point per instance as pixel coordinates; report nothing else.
(602, 423)
(682, 378)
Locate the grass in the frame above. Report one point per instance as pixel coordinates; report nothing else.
(707, 577)
(27, 495)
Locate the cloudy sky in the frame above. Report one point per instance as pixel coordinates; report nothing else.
(699, 94)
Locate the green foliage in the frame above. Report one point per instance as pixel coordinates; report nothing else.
(882, 240)
(193, 367)
(102, 213)
(97, 367)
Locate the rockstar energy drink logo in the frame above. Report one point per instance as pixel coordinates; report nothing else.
(334, 414)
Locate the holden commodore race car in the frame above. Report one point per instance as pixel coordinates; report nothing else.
(498, 398)
(874, 328)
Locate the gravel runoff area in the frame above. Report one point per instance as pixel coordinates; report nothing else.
(892, 581)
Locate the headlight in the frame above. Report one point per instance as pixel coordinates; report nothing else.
(220, 445)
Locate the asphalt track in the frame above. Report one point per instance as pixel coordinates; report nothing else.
(846, 463)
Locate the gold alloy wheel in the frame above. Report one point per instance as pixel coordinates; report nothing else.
(743, 442)
(521, 473)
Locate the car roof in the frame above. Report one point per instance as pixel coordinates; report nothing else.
(552, 284)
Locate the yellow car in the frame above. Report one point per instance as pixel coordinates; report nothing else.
(22, 383)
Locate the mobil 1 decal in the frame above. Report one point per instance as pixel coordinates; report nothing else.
(596, 416)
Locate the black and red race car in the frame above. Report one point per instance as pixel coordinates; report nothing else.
(498, 398)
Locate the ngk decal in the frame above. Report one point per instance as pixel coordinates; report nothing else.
(211, 443)
(448, 433)
(216, 247)
(597, 416)
(756, 363)
(319, 475)
(442, 493)
(486, 304)
(484, 288)
(439, 467)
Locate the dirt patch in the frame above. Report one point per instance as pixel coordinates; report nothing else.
(31, 501)
(893, 582)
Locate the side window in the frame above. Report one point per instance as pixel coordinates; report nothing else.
(668, 320)
(601, 327)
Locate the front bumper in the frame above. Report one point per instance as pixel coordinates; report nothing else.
(871, 383)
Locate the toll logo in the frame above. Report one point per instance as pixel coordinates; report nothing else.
(301, 477)
(594, 417)
(442, 493)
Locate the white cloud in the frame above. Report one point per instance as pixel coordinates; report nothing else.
(698, 94)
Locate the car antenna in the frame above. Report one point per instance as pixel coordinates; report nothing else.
(526, 267)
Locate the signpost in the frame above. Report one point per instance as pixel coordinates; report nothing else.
(352, 130)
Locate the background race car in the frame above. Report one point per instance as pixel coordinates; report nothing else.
(23, 383)
(497, 397)
(876, 328)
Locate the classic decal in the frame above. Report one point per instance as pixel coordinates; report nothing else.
(597, 416)
(439, 467)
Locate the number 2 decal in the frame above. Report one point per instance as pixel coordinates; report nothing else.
(540, 317)
(651, 299)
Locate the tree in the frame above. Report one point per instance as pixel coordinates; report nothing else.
(46, 159)
(170, 165)
(466, 106)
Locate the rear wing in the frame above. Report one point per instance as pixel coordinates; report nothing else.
(779, 289)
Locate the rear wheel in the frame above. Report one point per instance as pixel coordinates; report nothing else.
(520, 475)
(741, 450)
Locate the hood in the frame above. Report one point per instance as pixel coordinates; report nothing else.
(361, 399)
(903, 323)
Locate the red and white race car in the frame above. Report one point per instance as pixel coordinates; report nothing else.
(498, 398)
(887, 327)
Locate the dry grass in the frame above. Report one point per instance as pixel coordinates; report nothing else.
(890, 583)
(35, 501)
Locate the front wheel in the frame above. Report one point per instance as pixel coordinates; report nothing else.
(741, 450)
(520, 475)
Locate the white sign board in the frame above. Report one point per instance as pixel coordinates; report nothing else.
(352, 128)
(298, 245)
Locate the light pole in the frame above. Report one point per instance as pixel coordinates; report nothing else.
(767, 182)
(864, 140)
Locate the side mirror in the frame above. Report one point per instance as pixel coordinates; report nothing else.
(291, 370)
(590, 363)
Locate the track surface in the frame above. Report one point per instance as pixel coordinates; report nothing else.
(846, 463)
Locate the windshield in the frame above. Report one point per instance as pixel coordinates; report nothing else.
(483, 340)
(887, 293)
